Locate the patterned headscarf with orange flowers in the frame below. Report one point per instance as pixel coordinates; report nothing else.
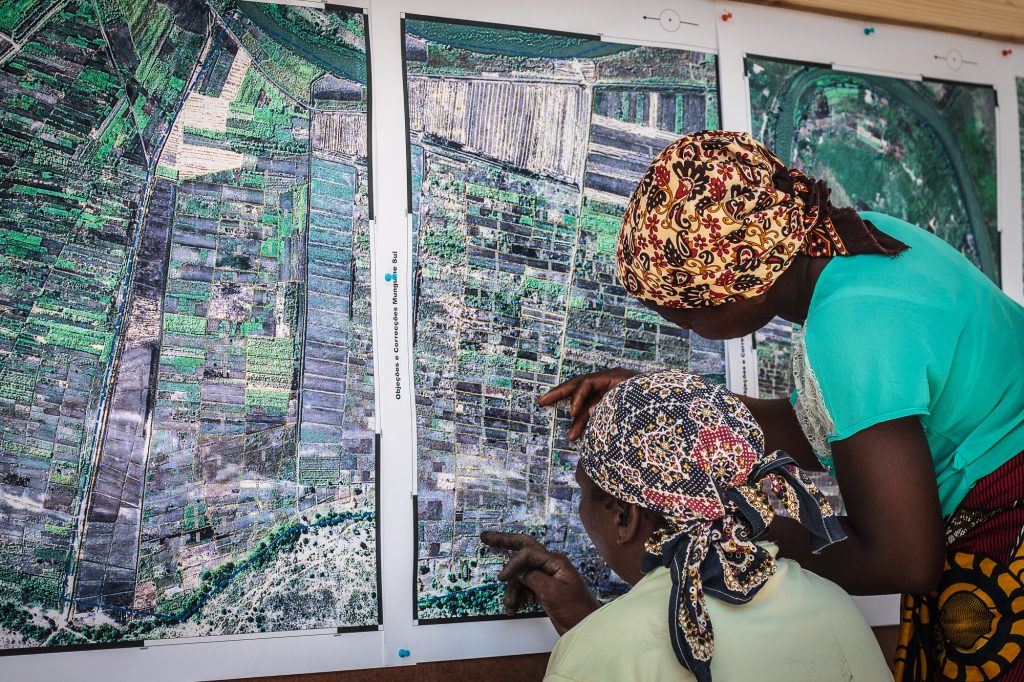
(676, 444)
(718, 218)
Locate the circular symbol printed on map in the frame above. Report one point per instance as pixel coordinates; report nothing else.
(954, 60)
(669, 19)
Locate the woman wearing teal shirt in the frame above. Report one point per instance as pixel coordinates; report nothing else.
(910, 385)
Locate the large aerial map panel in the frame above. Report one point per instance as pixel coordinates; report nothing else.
(920, 151)
(186, 391)
(525, 146)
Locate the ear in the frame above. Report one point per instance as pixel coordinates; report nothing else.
(627, 522)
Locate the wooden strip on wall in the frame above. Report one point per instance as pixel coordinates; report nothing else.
(997, 19)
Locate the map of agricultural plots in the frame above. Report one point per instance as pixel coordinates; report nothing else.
(924, 152)
(524, 148)
(186, 387)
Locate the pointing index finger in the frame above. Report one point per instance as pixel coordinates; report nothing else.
(529, 559)
(560, 392)
(507, 541)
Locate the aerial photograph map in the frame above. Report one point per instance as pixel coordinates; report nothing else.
(186, 382)
(922, 151)
(524, 147)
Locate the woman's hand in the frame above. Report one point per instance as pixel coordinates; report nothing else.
(584, 391)
(534, 574)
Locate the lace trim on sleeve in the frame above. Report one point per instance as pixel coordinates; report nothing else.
(815, 421)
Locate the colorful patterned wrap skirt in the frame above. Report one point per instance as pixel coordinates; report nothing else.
(972, 627)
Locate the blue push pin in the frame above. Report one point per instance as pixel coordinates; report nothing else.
(390, 277)
(868, 30)
(404, 653)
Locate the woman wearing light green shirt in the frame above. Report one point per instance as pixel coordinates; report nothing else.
(671, 470)
(799, 627)
(910, 384)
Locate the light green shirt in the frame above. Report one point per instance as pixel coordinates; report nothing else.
(798, 627)
(924, 333)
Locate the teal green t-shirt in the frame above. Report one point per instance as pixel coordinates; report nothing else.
(923, 333)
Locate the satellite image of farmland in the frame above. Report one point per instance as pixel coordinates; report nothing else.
(186, 392)
(921, 151)
(525, 146)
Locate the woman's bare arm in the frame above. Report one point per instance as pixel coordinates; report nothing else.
(782, 430)
(894, 525)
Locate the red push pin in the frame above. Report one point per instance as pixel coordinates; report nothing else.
(726, 16)
(1007, 52)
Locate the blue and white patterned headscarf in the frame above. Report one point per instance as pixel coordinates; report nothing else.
(675, 444)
